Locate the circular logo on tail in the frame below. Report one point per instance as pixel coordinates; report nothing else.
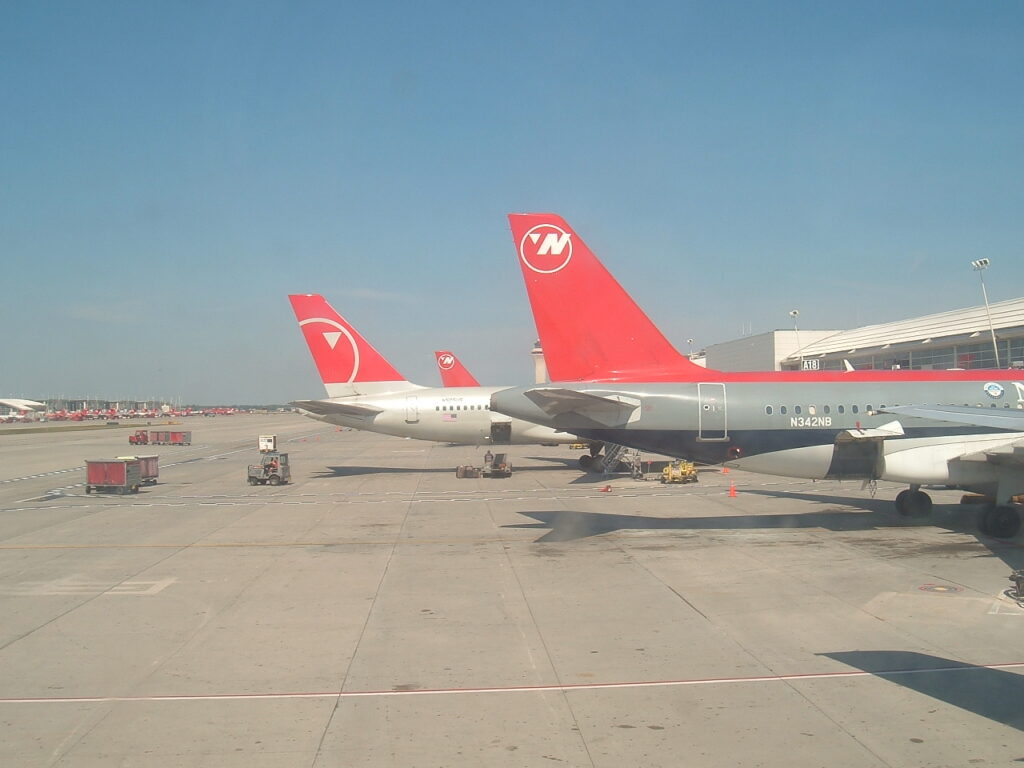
(340, 361)
(546, 248)
(446, 361)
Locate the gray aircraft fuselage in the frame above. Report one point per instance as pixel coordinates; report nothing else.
(812, 429)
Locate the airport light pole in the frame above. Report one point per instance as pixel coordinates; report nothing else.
(690, 343)
(795, 313)
(979, 266)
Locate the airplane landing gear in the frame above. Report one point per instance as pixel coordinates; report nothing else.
(592, 459)
(913, 502)
(1001, 521)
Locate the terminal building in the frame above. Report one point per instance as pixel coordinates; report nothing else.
(960, 338)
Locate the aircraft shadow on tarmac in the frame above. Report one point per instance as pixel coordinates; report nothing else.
(567, 525)
(954, 518)
(992, 693)
(351, 470)
(357, 470)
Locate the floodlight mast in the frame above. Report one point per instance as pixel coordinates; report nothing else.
(979, 266)
(795, 313)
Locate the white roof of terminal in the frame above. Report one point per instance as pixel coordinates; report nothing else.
(958, 322)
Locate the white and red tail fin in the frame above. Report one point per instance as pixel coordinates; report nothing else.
(348, 365)
(590, 329)
(453, 372)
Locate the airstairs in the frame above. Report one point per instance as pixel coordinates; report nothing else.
(615, 454)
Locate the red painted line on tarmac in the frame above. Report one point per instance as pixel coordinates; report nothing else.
(501, 689)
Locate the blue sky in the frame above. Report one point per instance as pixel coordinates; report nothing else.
(169, 172)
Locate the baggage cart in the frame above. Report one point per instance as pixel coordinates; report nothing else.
(149, 466)
(113, 475)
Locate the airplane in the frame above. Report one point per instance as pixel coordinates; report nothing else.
(20, 409)
(616, 378)
(364, 391)
(453, 372)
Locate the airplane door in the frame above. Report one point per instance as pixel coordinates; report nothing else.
(412, 409)
(711, 421)
(501, 432)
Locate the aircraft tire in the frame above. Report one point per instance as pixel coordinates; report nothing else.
(913, 503)
(1003, 521)
(901, 502)
(586, 460)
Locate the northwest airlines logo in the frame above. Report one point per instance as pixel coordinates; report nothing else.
(337, 361)
(546, 248)
(446, 361)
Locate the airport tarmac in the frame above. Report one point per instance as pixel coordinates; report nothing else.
(381, 612)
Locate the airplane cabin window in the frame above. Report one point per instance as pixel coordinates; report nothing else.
(797, 409)
(826, 409)
(856, 409)
(811, 410)
(768, 410)
(841, 408)
(782, 410)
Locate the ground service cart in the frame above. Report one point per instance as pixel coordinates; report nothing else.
(498, 466)
(273, 469)
(149, 466)
(113, 475)
(679, 472)
(170, 437)
(160, 437)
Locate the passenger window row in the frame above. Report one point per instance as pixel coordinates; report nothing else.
(462, 407)
(827, 409)
(812, 410)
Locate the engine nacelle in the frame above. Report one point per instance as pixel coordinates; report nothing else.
(934, 461)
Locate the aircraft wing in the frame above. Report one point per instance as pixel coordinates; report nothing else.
(554, 401)
(1011, 420)
(22, 405)
(329, 407)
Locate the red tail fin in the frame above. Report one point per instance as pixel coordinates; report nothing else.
(342, 356)
(589, 327)
(453, 372)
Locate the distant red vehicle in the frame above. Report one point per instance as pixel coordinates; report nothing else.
(170, 437)
(160, 437)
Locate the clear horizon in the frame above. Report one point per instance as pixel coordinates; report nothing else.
(172, 172)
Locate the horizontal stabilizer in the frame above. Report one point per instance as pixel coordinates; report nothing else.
(614, 408)
(329, 407)
(1009, 419)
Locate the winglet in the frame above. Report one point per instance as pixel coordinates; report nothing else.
(453, 372)
(345, 360)
(589, 327)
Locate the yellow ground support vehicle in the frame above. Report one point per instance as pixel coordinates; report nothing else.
(679, 472)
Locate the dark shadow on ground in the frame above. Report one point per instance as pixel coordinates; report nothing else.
(351, 470)
(569, 526)
(357, 470)
(992, 693)
(954, 518)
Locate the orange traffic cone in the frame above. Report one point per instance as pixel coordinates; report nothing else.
(732, 490)
(725, 470)
(606, 489)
